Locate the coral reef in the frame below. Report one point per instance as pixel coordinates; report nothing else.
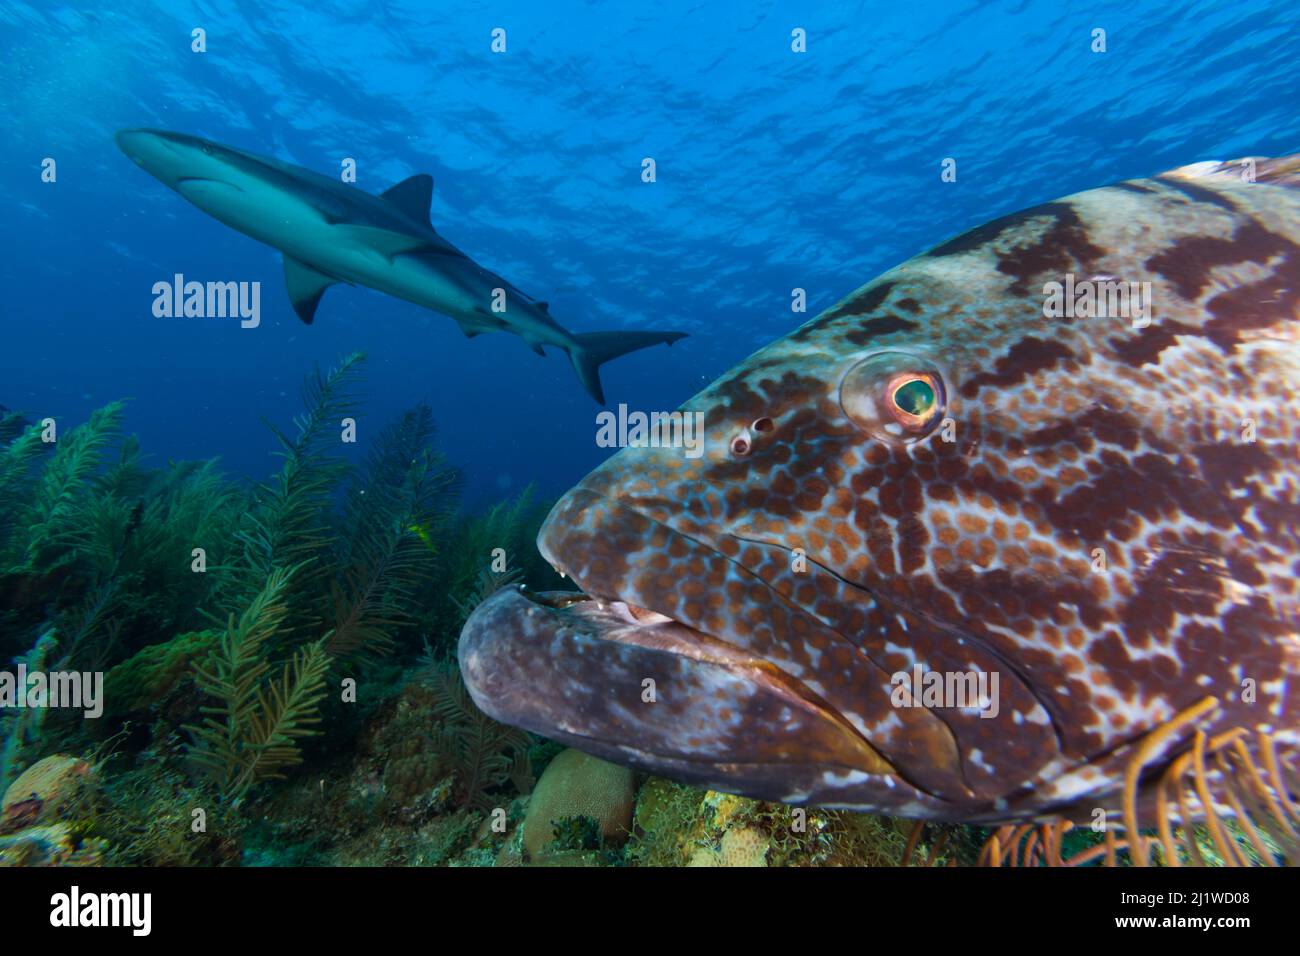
(54, 845)
(20, 730)
(155, 672)
(403, 798)
(579, 787)
(252, 735)
(397, 509)
(481, 753)
(47, 813)
(154, 815)
(46, 792)
(218, 613)
(741, 847)
(677, 825)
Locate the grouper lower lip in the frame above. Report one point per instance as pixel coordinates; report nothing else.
(713, 715)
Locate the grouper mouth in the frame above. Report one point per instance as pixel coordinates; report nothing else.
(618, 673)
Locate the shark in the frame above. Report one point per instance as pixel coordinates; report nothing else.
(1078, 526)
(331, 232)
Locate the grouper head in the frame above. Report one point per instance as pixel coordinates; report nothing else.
(949, 552)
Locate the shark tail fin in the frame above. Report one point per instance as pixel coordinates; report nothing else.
(593, 349)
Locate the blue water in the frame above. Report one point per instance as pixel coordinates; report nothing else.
(775, 170)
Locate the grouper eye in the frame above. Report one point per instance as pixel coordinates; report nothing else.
(894, 396)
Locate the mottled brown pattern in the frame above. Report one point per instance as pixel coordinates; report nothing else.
(865, 302)
(877, 327)
(1133, 187)
(1064, 246)
(1255, 306)
(1027, 357)
(1106, 516)
(1146, 349)
(1198, 193)
(1190, 262)
(985, 235)
(1047, 239)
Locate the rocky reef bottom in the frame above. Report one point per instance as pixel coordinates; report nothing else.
(396, 797)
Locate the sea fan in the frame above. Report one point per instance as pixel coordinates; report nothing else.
(489, 582)
(21, 730)
(65, 479)
(12, 425)
(395, 512)
(133, 541)
(288, 524)
(17, 462)
(252, 735)
(474, 568)
(483, 754)
(1225, 800)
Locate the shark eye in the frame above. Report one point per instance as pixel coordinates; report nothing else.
(894, 396)
(207, 150)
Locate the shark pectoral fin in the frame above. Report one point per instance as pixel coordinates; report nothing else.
(384, 241)
(532, 342)
(412, 196)
(306, 285)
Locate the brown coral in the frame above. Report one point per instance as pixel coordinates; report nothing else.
(46, 792)
(576, 784)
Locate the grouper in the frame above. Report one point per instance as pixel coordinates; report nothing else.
(1001, 536)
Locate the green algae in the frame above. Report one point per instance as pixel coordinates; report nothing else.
(152, 673)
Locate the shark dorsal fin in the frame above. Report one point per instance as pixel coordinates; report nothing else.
(412, 196)
(305, 286)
